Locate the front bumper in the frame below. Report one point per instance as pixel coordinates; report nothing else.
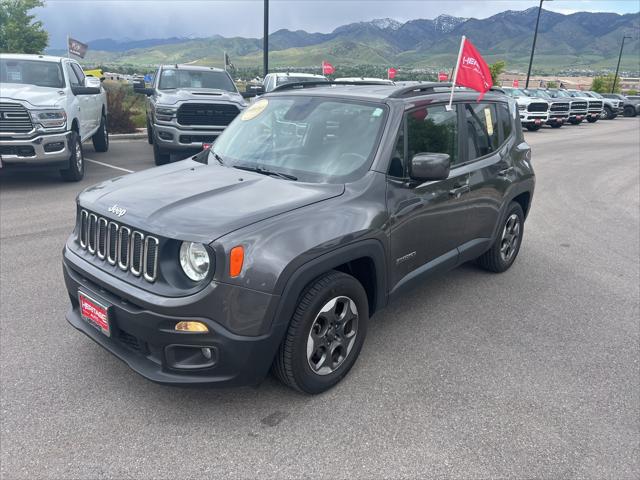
(537, 118)
(143, 335)
(170, 137)
(33, 151)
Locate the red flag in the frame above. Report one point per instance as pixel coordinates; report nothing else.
(473, 71)
(442, 76)
(391, 73)
(327, 68)
(516, 83)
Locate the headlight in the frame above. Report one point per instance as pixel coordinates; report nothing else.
(195, 260)
(522, 107)
(49, 118)
(165, 113)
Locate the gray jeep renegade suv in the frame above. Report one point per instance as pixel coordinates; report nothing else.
(314, 209)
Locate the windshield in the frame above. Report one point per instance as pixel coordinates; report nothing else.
(310, 138)
(559, 94)
(537, 93)
(172, 78)
(293, 79)
(31, 72)
(595, 95)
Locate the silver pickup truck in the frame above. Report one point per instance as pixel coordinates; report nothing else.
(188, 106)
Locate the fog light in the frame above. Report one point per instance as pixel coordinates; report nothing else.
(165, 135)
(192, 327)
(206, 353)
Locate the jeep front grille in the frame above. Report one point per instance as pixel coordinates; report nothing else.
(538, 107)
(132, 250)
(14, 118)
(210, 114)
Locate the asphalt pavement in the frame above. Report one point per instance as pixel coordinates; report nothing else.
(533, 373)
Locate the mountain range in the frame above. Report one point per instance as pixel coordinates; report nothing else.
(581, 40)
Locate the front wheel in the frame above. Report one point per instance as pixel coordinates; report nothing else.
(75, 171)
(101, 137)
(533, 128)
(149, 133)
(505, 249)
(160, 157)
(607, 113)
(325, 335)
(629, 111)
(556, 124)
(592, 119)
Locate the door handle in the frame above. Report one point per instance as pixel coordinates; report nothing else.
(457, 191)
(505, 172)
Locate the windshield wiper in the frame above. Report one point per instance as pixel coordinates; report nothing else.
(217, 157)
(271, 173)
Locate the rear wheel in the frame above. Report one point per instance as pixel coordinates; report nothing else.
(101, 137)
(325, 335)
(160, 157)
(75, 171)
(533, 128)
(505, 249)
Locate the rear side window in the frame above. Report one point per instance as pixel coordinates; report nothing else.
(483, 135)
(432, 130)
(505, 120)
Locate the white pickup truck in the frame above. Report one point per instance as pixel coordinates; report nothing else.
(48, 107)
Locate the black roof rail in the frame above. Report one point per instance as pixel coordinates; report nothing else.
(419, 88)
(299, 85)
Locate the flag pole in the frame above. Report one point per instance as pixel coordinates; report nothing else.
(68, 56)
(455, 74)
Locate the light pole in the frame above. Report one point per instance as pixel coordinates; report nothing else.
(533, 47)
(265, 40)
(615, 78)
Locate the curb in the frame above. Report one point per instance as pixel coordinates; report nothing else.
(141, 133)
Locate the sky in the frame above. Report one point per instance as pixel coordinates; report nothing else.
(88, 20)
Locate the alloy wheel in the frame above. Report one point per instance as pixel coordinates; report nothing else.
(79, 160)
(510, 238)
(332, 335)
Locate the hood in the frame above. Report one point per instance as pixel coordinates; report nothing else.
(31, 94)
(191, 201)
(171, 97)
(527, 100)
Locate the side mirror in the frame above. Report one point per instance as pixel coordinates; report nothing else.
(430, 166)
(139, 87)
(92, 82)
(255, 89)
(247, 94)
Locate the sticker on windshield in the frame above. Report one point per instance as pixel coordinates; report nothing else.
(487, 117)
(254, 110)
(377, 112)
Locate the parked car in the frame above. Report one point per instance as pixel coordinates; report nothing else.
(558, 107)
(188, 106)
(611, 107)
(48, 108)
(313, 210)
(578, 107)
(594, 106)
(630, 104)
(534, 112)
(273, 80)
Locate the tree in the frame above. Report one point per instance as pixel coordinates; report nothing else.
(19, 33)
(496, 69)
(603, 84)
(552, 84)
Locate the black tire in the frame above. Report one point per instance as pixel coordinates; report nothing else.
(75, 171)
(160, 157)
(100, 139)
(149, 133)
(533, 128)
(496, 259)
(556, 124)
(608, 113)
(292, 365)
(592, 119)
(573, 121)
(629, 111)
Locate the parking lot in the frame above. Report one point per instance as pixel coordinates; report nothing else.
(532, 373)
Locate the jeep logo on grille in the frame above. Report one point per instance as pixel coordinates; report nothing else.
(118, 211)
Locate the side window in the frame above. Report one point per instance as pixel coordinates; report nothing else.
(397, 165)
(505, 120)
(432, 129)
(73, 78)
(79, 72)
(482, 129)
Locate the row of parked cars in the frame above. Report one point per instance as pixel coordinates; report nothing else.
(49, 107)
(555, 107)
